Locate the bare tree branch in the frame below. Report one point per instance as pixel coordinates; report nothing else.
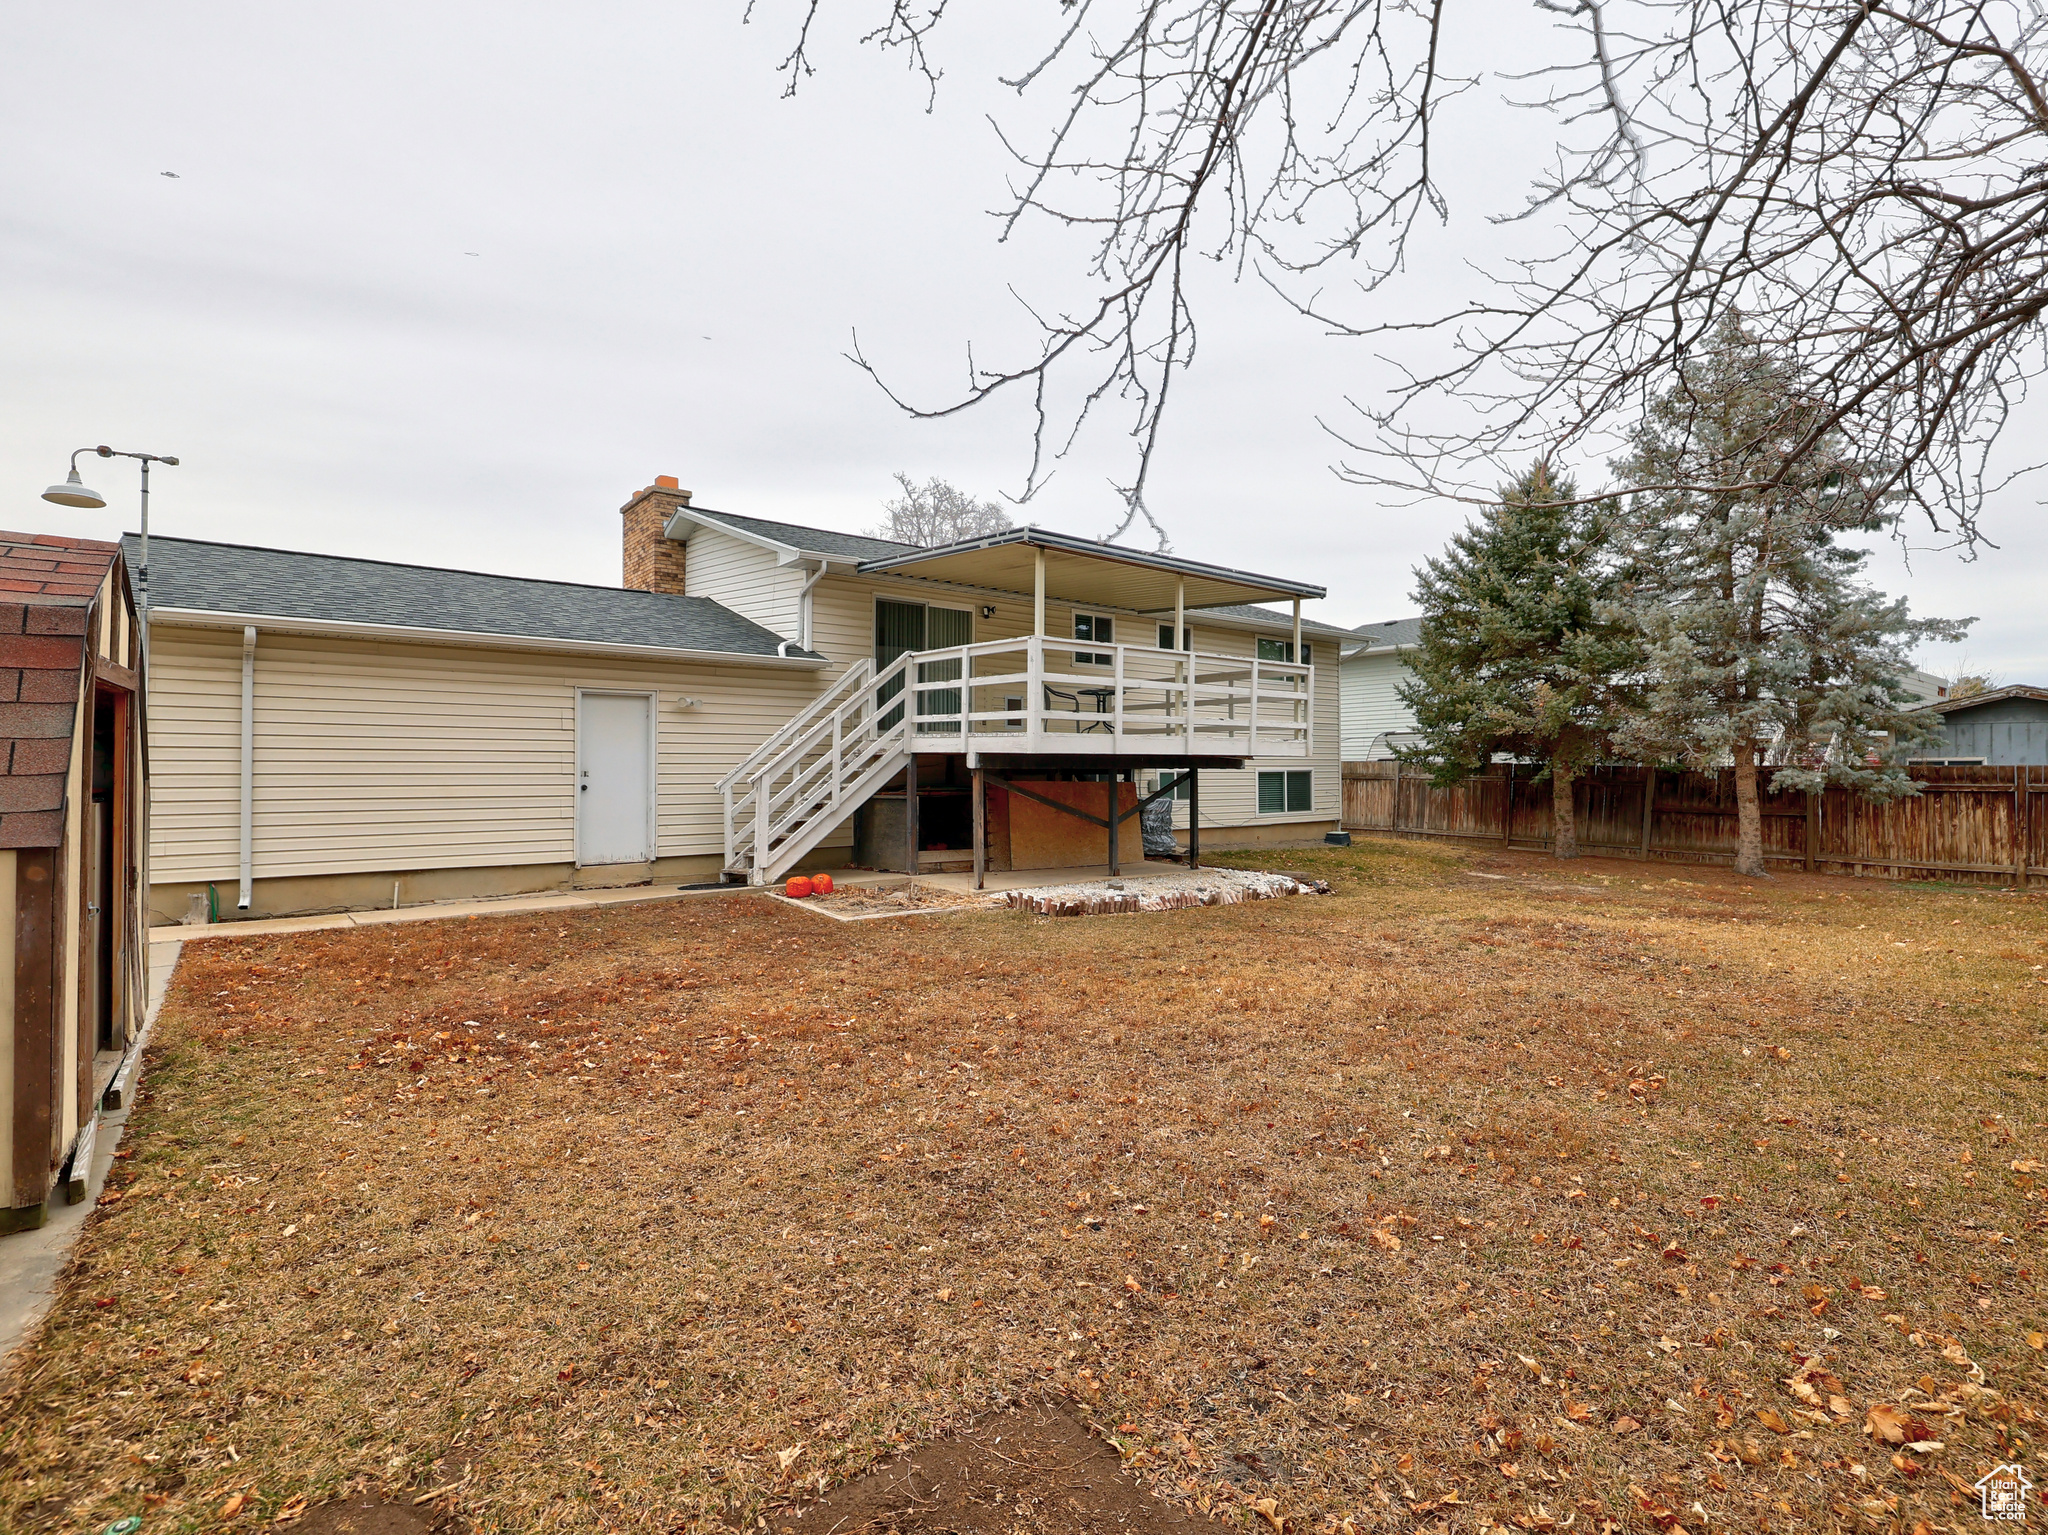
(1863, 184)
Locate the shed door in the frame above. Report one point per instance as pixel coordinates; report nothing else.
(614, 785)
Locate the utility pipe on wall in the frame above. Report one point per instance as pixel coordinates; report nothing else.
(248, 764)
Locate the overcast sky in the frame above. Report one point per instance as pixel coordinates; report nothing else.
(444, 282)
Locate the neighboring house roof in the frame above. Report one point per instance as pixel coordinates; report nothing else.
(1246, 612)
(238, 583)
(1974, 700)
(822, 542)
(47, 585)
(1397, 633)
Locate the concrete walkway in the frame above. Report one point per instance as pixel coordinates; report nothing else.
(442, 911)
(30, 1261)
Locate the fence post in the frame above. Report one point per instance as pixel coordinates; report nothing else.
(1507, 805)
(1811, 798)
(1394, 814)
(1649, 806)
(2019, 828)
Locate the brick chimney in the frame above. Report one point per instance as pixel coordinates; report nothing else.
(653, 562)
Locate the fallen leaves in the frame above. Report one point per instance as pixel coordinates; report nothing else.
(1890, 1424)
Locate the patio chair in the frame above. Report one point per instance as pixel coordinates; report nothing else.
(1073, 702)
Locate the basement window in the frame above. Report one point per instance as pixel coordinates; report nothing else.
(1286, 793)
(1180, 782)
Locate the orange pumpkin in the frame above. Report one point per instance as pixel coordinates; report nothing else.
(797, 888)
(821, 884)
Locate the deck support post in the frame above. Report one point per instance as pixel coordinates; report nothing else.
(1116, 784)
(1038, 592)
(1194, 819)
(910, 815)
(980, 827)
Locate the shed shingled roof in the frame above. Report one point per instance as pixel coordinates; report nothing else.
(47, 585)
(241, 579)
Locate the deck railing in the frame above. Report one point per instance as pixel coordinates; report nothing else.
(1037, 694)
(809, 775)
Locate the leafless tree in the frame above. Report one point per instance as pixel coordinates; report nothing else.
(935, 513)
(1864, 184)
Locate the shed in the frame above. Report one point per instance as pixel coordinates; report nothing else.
(2004, 727)
(73, 808)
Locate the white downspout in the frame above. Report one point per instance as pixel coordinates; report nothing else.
(803, 603)
(248, 764)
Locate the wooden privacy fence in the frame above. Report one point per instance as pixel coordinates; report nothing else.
(1974, 822)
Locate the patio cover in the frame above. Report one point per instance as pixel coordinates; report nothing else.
(1083, 571)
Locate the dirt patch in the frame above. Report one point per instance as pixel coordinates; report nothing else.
(857, 901)
(1031, 1469)
(365, 1514)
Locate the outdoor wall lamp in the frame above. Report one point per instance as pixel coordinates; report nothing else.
(988, 610)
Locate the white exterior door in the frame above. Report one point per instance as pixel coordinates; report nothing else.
(614, 778)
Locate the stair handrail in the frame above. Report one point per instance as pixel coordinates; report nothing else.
(787, 747)
(851, 678)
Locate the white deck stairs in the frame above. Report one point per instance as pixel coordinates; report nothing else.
(804, 780)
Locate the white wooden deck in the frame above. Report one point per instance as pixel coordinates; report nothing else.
(1003, 700)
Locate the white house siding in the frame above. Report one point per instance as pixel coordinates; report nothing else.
(374, 757)
(1370, 705)
(745, 578)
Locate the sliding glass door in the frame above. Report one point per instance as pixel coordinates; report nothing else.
(901, 627)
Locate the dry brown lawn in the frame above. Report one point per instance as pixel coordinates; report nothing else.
(1484, 1191)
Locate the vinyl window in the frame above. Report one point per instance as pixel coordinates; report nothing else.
(1282, 650)
(1099, 628)
(1286, 793)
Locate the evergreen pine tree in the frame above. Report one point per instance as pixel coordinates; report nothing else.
(1763, 646)
(1516, 655)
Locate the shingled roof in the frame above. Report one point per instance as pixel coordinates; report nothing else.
(244, 581)
(47, 585)
(794, 535)
(1400, 632)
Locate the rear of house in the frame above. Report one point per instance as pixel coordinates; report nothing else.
(346, 733)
